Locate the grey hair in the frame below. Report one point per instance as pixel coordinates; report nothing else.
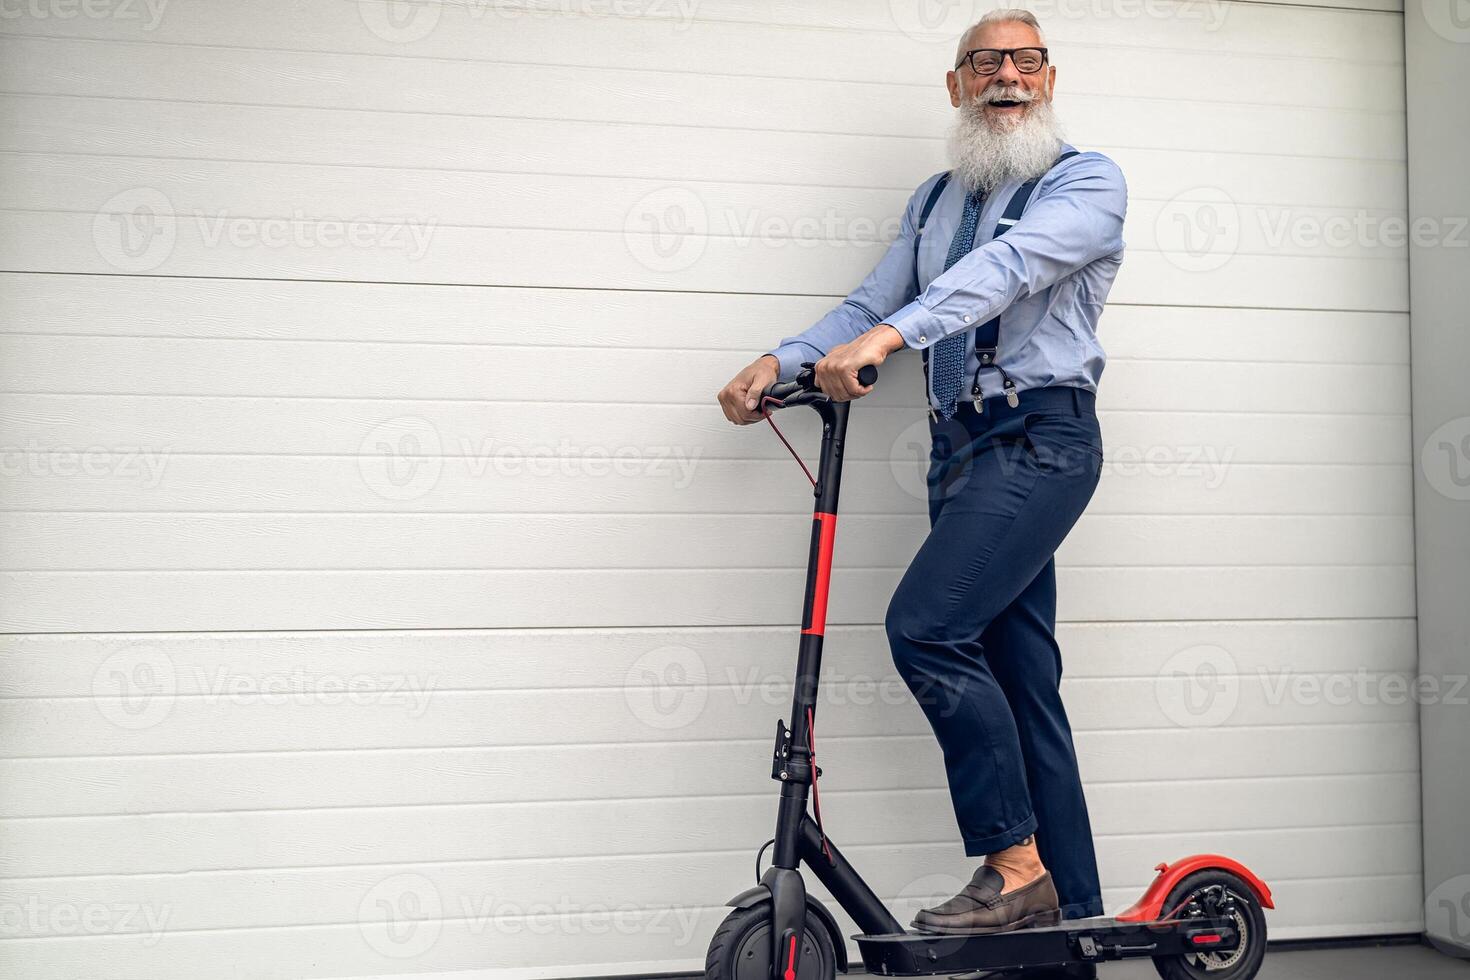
(1004, 15)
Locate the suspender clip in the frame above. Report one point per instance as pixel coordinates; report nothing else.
(1013, 398)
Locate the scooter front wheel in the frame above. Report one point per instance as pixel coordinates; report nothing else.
(741, 948)
(1214, 891)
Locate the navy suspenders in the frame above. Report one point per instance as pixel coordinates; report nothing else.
(987, 335)
(929, 202)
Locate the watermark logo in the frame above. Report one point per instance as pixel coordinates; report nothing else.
(1199, 230)
(1447, 916)
(139, 465)
(1445, 459)
(409, 235)
(1362, 687)
(667, 688)
(35, 918)
(1198, 687)
(401, 916)
(666, 230)
(400, 459)
(115, 10)
(135, 230)
(1450, 19)
(400, 21)
(932, 21)
(135, 687)
(1202, 229)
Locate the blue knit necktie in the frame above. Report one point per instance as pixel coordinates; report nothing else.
(948, 361)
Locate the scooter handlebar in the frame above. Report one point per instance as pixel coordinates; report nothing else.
(804, 390)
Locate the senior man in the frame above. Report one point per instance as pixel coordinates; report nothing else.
(998, 276)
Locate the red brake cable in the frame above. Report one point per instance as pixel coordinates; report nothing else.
(811, 746)
(766, 413)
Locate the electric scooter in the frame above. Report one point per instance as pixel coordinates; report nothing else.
(1200, 919)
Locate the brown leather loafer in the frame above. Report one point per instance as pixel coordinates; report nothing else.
(981, 907)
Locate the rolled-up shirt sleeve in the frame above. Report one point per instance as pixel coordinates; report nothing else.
(1073, 222)
(884, 290)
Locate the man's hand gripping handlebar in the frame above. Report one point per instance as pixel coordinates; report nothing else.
(804, 390)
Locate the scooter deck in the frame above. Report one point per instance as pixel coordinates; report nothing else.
(912, 954)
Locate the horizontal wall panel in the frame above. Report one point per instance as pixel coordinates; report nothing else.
(372, 546)
(269, 484)
(124, 306)
(171, 843)
(63, 666)
(212, 782)
(131, 542)
(180, 367)
(674, 881)
(201, 600)
(406, 251)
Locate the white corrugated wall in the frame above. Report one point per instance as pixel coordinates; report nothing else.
(384, 593)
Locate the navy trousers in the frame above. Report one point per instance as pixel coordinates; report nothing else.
(972, 625)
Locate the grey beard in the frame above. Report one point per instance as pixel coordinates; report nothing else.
(985, 158)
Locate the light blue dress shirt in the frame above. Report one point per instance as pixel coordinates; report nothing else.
(1047, 276)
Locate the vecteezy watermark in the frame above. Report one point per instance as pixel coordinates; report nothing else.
(134, 464)
(934, 460)
(1447, 916)
(1362, 687)
(400, 21)
(1202, 229)
(1210, 463)
(1198, 687)
(407, 21)
(667, 688)
(1444, 459)
(403, 458)
(944, 20)
(137, 687)
(678, 13)
(137, 230)
(667, 229)
(838, 689)
(407, 234)
(33, 917)
(1199, 230)
(148, 13)
(223, 685)
(401, 916)
(563, 916)
(1450, 19)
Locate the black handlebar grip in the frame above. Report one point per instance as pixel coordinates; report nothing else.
(867, 374)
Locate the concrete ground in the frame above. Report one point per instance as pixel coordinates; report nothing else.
(1406, 962)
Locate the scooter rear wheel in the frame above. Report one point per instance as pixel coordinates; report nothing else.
(741, 948)
(1206, 891)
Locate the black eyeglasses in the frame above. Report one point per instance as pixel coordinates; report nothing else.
(987, 61)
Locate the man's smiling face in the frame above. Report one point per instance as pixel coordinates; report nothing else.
(1008, 94)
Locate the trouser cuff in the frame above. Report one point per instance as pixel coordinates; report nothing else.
(976, 846)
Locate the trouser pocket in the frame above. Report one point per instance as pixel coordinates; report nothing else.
(1064, 443)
